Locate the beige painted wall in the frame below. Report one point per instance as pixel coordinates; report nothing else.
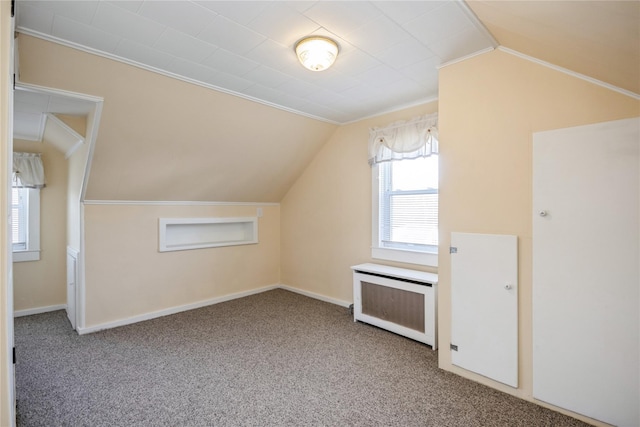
(326, 215)
(126, 276)
(42, 283)
(489, 107)
(77, 123)
(164, 139)
(541, 29)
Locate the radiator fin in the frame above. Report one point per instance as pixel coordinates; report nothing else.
(399, 306)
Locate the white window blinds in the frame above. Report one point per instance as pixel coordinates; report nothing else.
(19, 216)
(408, 203)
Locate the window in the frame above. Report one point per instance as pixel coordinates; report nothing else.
(28, 178)
(404, 163)
(19, 214)
(406, 210)
(25, 226)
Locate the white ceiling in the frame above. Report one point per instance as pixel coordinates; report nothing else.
(31, 108)
(389, 50)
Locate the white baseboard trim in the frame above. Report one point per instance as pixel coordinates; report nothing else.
(39, 310)
(172, 310)
(316, 296)
(200, 304)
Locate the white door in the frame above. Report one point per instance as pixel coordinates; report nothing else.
(484, 305)
(585, 270)
(72, 269)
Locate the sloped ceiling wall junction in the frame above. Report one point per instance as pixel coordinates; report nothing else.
(162, 139)
(599, 39)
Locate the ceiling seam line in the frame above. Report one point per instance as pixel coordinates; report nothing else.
(132, 63)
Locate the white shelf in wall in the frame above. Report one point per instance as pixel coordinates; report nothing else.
(179, 234)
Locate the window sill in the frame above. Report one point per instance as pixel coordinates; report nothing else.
(429, 259)
(23, 256)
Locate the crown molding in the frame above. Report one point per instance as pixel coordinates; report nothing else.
(569, 72)
(117, 58)
(464, 58)
(174, 203)
(30, 87)
(394, 109)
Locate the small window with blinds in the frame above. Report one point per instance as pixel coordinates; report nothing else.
(408, 204)
(20, 216)
(25, 223)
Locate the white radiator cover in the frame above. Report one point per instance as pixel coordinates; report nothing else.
(399, 300)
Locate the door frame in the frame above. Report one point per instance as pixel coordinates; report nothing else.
(93, 122)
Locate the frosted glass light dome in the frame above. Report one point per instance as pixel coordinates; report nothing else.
(317, 53)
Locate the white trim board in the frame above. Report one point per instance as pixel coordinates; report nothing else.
(548, 65)
(569, 72)
(314, 295)
(175, 203)
(424, 101)
(91, 135)
(39, 310)
(205, 303)
(113, 57)
(469, 56)
(79, 139)
(171, 310)
(30, 87)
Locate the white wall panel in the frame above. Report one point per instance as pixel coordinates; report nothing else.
(484, 305)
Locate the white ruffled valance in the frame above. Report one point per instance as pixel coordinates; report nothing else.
(28, 171)
(409, 139)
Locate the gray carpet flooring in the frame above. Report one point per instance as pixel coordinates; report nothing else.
(272, 359)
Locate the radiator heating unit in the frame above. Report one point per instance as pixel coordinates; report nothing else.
(399, 300)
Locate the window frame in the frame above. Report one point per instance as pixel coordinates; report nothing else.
(32, 207)
(428, 257)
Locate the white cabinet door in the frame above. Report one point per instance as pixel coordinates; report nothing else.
(585, 270)
(484, 305)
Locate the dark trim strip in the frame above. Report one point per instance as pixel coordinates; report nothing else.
(400, 279)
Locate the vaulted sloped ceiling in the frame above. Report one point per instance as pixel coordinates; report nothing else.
(162, 139)
(389, 50)
(201, 137)
(389, 55)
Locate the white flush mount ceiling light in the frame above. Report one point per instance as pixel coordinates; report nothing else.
(317, 53)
